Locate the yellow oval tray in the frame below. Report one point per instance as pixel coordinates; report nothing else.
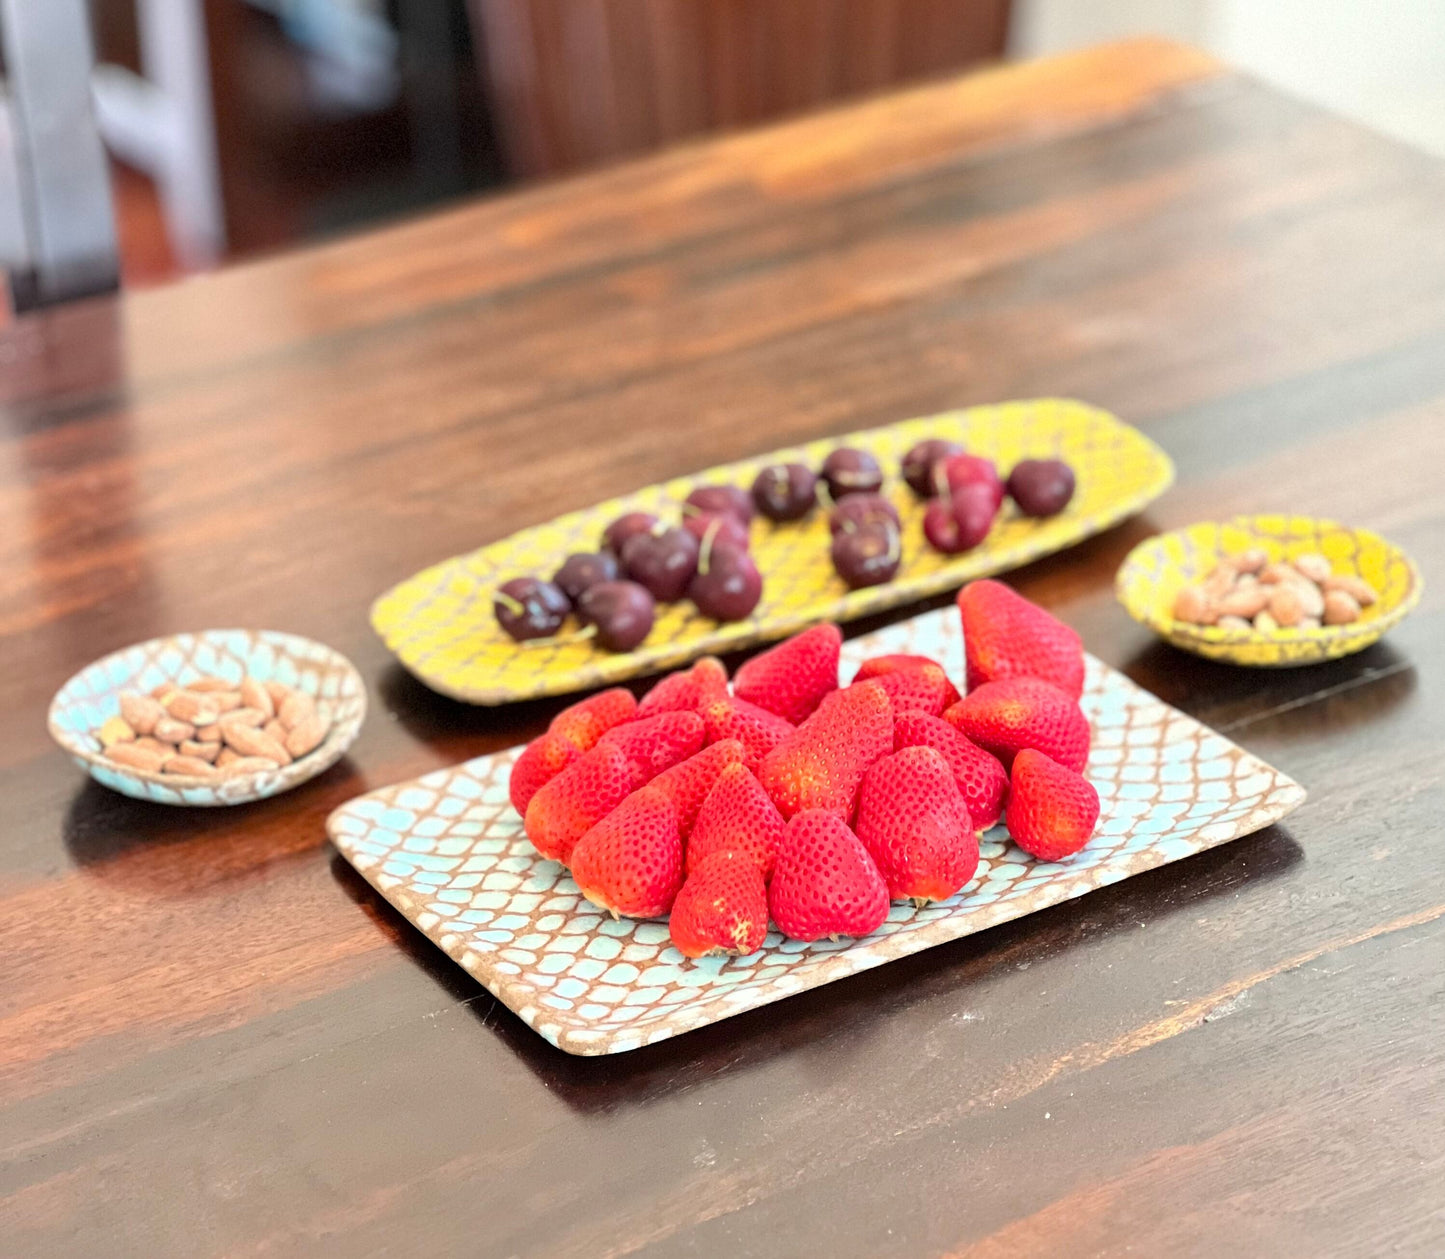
(1154, 572)
(440, 623)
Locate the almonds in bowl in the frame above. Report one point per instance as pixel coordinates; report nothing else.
(1269, 591)
(220, 717)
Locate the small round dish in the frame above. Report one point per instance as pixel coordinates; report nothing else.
(1156, 570)
(93, 695)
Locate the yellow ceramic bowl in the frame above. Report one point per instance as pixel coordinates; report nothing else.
(1156, 570)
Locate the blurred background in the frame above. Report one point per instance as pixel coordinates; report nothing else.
(228, 128)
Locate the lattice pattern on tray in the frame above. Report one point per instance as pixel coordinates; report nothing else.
(449, 853)
(440, 623)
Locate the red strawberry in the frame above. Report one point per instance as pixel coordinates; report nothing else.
(877, 666)
(915, 825)
(686, 785)
(825, 883)
(792, 678)
(737, 816)
(687, 690)
(820, 765)
(542, 760)
(1006, 636)
(922, 688)
(631, 861)
(756, 728)
(657, 743)
(585, 722)
(722, 908)
(564, 809)
(980, 777)
(576, 729)
(1052, 811)
(1003, 717)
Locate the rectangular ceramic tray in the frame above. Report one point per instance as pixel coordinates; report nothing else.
(440, 623)
(448, 851)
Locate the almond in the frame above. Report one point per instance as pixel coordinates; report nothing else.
(140, 711)
(1356, 587)
(250, 765)
(209, 734)
(1265, 624)
(1192, 605)
(255, 695)
(114, 730)
(249, 741)
(226, 756)
(297, 707)
(279, 692)
(210, 683)
(1311, 599)
(1277, 572)
(1244, 601)
(1250, 561)
(225, 701)
(172, 730)
(136, 758)
(1313, 565)
(155, 745)
(1340, 608)
(202, 750)
(1235, 623)
(1285, 605)
(188, 706)
(306, 735)
(192, 765)
(1220, 580)
(241, 717)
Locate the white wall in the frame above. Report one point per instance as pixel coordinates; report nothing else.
(1381, 62)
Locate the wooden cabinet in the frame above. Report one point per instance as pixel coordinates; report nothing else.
(573, 83)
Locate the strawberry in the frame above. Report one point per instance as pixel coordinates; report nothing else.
(657, 743)
(687, 690)
(565, 808)
(585, 722)
(825, 883)
(756, 728)
(924, 688)
(980, 777)
(792, 678)
(877, 666)
(915, 825)
(573, 731)
(736, 816)
(1004, 717)
(1052, 811)
(687, 784)
(542, 760)
(631, 861)
(1006, 636)
(722, 908)
(820, 765)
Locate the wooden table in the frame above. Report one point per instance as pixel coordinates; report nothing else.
(215, 1040)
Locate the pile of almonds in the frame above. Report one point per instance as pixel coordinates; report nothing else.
(211, 728)
(1248, 592)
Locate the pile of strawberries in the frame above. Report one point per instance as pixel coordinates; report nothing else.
(790, 798)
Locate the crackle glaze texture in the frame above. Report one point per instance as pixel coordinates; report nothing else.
(448, 851)
(440, 622)
(93, 695)
(1156, 570)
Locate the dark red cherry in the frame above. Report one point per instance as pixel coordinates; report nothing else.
(578, 572)
(868, 555)
(720, 498)
(663, 560)
(862, 509)
(615, 536)
(919, 463)
(1041, 487)
(785, 491)
(849, 471)
(622, 611)
(727, 584)
(725, 526)
(528, 607)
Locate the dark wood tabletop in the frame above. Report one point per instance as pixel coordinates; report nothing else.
(216, 1040)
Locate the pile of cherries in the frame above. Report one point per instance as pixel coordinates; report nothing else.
(643, 561)
(967, 492)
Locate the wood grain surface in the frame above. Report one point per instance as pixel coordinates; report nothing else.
(214, 1040)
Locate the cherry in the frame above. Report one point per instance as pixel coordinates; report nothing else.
(728, 527)
(1041, 487)
(615, 536)
(862, 509)
(622, 611)
(961, 470)
(663, 561)
(918, 464)
(721, 498)
(962, 521)
(583, 570)
(868, 555)
(849, 471)
(528, 607)
(727, 585)
(785, 491)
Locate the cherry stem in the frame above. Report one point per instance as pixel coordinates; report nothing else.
(705, 553)
(513, 605)
(824, 494)
(563, 640)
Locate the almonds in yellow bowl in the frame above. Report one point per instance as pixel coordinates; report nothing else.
(1166, 583)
